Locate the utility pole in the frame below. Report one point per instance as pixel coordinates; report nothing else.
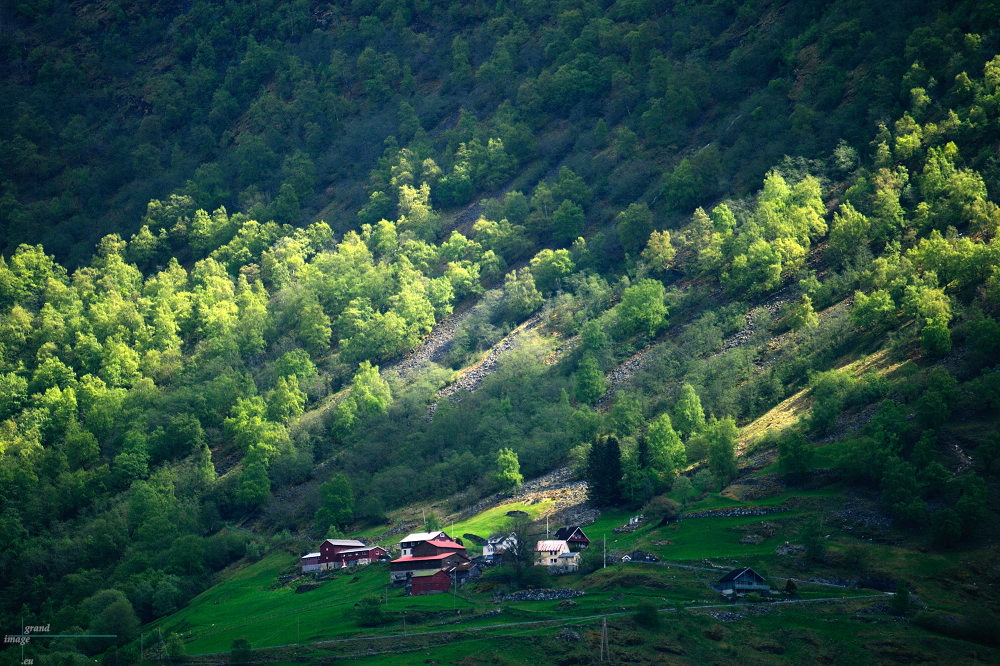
(605, 551)
(546, 526)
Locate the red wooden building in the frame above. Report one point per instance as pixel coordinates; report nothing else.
(359, 556)
(428, 582)
(400, 567)
(337, 553)
(436, 547)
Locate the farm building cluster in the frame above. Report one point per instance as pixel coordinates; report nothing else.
(433, 561)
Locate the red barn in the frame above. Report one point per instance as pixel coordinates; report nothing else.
(328, 549)
(337, 553)
(428, 582)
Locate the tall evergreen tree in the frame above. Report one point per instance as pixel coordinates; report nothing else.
(604, 470)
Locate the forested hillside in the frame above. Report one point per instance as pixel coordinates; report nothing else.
(224, 225)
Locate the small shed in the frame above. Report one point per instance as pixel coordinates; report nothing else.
(742, 581)
(428, 582)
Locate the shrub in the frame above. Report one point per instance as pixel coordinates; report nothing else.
(647, 615)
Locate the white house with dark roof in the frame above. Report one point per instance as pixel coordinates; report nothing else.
(499, 543)
(407, 543)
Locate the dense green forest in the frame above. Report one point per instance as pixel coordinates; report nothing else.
(223, 225)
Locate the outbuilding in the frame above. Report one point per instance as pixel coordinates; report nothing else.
(428, 582)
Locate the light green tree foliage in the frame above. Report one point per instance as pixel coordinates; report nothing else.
(369, 333)
(666, 450)
(953, 196)
(250, 429)
(588, 379)
(285, 401)
(642, 309)
(548, 267)
(369, 395)
(659, 253)
(384, 241)
(800, 314)
(520, 296)
(506, 239)
(935, 338)
(314, 327)
(873, 312)
(625, 417)
(295, 362)
(830, 392)
(416, 217)
(508, 475)
(688, 413)
(778, 234)
(207, 232)
(252, 317)
(25, 275)
(336, 503)
(848, 232)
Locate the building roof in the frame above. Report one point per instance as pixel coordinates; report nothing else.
(352, 543)
(550, 544)
(736, 573)
(429, 572)
(500, 538)
(446, 543)
(422, 536)
(569, 555)
(307, 555)
(439, 556)
(565, 533)
(366, 549)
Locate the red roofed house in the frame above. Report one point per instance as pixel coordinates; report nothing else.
(574, 537)
(400, 567)
(407, 543)
(437, 546)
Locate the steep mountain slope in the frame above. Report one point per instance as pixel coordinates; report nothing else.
(609, 234)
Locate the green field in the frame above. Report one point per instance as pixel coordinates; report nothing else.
(259, 601)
